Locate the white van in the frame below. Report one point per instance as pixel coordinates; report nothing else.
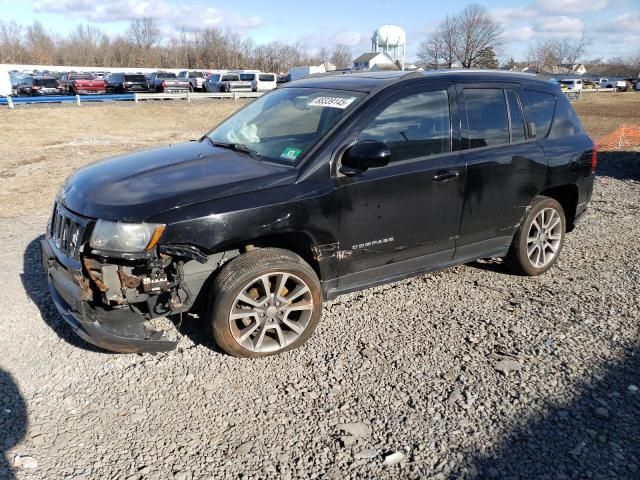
(263, 82)
(571, 84)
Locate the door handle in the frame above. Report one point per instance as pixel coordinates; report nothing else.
(445, 175)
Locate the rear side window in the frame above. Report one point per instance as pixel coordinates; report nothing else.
(565, 121)
(267, 78)
(541, 106)
(515, 116)
(414, 126)
(488, 123)
(247, 77)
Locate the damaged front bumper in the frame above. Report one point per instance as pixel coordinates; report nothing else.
(117, 329)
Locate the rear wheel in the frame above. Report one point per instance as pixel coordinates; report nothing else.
(538, 241)
(264, 302)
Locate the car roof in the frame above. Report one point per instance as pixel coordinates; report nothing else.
(370, 81)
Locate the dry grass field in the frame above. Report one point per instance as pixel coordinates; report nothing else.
(41, 146)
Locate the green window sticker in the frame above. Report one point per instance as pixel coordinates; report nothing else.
(290, 153)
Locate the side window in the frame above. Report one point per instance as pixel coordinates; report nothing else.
(414, 126)
(515, 115)
(488, 123)
(565, 121)
(541, 106)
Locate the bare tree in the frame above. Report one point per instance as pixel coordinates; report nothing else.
(40, 43)
(341, 56)
(11, 43)
(475, 32)
(567, 51)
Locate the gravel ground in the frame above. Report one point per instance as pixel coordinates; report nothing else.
(467, 373)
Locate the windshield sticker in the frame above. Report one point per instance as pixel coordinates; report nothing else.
(332, 102)
(290, 153)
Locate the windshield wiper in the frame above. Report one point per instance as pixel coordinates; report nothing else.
(238, 147)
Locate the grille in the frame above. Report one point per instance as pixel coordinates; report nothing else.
(66, 231)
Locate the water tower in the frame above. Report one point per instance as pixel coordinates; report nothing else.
(392, 40)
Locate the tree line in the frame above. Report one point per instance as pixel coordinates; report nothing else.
(471, 39)
(144, 44)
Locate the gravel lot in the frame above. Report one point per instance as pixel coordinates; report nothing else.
(467, 373)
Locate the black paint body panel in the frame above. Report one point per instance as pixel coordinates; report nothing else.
(217, 199)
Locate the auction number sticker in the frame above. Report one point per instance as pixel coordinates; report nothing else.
(290, 153)
(332, 102)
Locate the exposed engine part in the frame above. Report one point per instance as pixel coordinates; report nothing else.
(94, 270)
(129, 281)
(111, 279)
(156, 281)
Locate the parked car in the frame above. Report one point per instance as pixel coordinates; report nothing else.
(6, 89)
(226, 82)
(81, 84)
(167, 82)
(39, 86)
(196, 79)
(263, 82)
(571, 84)
(322, 187)
(127, 83)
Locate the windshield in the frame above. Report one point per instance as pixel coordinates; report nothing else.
(214, 78)
(135, 78)
(47, 82)
(283, 125)
(166, 75)
(230, 78)
(566, 82)
(196, 75)
(267, 78)
(247, 77)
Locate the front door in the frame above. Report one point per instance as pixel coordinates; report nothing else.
(403, 217)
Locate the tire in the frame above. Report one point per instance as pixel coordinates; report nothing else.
(246, 335)
(533, 251)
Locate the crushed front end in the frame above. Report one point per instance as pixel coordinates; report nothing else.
(110, 299)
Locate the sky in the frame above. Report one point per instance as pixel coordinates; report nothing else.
(613, 26)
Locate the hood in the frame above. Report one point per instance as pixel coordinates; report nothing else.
(132, 187)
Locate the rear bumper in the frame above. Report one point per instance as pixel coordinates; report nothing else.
(118, 330)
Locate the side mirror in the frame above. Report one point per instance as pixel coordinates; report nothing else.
(364, 155)
(531, 129)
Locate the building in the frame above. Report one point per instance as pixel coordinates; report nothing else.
(374, 61)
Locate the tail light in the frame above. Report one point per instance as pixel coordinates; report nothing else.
(594, 159)
(164, 84)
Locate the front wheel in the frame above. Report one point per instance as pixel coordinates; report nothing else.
(264, 302)
(538, 241)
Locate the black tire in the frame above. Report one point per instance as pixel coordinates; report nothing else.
(237, 275)
(517, 258)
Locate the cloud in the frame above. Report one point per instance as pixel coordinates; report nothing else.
(190, 16)
(521, 34)
(507, 15)
(625, 23)
(348, 38)
(571, 6)
(559, 26)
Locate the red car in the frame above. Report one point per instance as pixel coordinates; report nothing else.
(82, 84)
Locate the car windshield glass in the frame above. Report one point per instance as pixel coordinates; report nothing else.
(166, 75)
(134, 78)
(47, 82)
(247, 77)
(267, 78)
(230, 78)
(283, 125)
(566, 82)
(196, 75)
(214, 78)
(80, 76)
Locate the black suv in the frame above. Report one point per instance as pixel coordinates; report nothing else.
(126, 82)
(324, 186)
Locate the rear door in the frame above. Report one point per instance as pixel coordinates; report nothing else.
(505, 168)
(405, 216)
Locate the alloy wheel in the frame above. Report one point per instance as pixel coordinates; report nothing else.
(544, 237)
(271, 312)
